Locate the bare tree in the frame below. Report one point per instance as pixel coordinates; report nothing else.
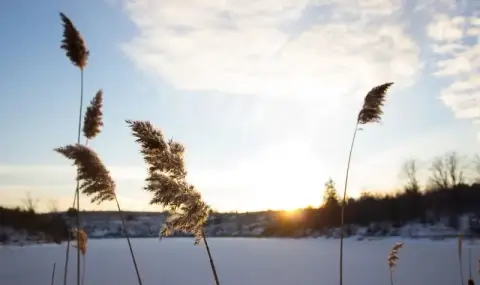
(409, 173)
(447, 171)
(30, 203)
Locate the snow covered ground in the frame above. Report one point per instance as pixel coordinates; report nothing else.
(243, 261)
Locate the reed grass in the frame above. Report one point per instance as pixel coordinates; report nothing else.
(166, 180)
(393, 258)
(371, 112)
(93, 178)
(77, 52)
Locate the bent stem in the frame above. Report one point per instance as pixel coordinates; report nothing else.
(128, 241)
(212, 265)
(342, 219)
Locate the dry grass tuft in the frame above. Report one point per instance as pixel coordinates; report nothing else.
(95, 180)
(166, 181)
(81, 236)
(93, 117)
(73, 43)
(372, 106)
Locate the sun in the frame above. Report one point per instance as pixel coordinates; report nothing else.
(291, 213)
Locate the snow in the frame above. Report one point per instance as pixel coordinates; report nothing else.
(243, 261)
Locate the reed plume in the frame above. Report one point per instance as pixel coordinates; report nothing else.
(166, 180)
(82, 237)
(73, 43)
(96, 182)
(77, 52)
(93, 117)
(82, 245)
(371, 112)
(393, 258)
(94, 177)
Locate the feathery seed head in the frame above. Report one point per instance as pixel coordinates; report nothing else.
(81, 238)
(95, 179)
(393, 256)
(166, 181)
(166, 157)
(73, 43)
(191, 217)
(372, 106)
(93, 116)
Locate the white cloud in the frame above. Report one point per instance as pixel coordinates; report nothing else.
(271, 47)
(456, 40)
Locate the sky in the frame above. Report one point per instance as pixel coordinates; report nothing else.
(264, 94)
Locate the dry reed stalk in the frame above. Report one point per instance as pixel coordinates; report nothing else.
(393, 258)
(460, 258)
(53, 274)
(371, 112)
(77, 52)
(166, 180)
(96, 182)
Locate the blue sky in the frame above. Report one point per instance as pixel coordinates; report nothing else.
(263, 94)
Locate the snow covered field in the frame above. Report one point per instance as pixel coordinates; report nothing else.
(242, 261)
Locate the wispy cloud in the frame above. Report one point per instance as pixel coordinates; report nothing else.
(456, 41)
(319, 49)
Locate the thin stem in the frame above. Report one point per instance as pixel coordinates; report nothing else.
(128, 240)
(53, 274)
(470, 262)
(76, 196)
(212, 265)
(391, 277)
(83, 268)
(67, 252)
(78, 182)
(460, 263)
(342, 219)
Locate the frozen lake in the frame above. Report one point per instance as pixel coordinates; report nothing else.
(242, 261)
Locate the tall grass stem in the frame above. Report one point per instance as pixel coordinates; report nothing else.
(212, 264)
(344, 200)
(128, 241)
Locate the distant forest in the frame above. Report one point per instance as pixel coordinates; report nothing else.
(452, 189)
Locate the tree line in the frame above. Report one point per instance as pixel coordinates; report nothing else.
(451, 189)
(52, 225)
